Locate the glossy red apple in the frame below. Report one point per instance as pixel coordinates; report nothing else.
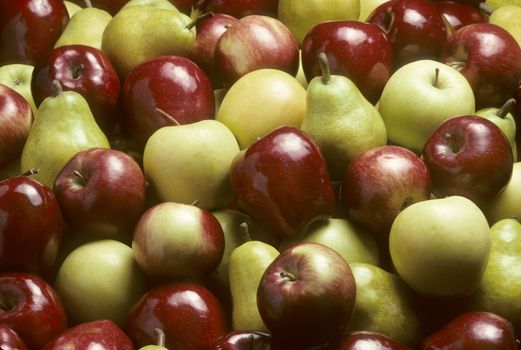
(366, 340)
(243, 340)
(489, 57)
(31, 307)
(459, 14)
(416, 29)
(29, 29)
(252, 43)
(83, 69)
(172, 84)
(99, 334)
(361, 51)
(9, 340)
(475, 330)
(101, 192)
(16, 118)
(31, 226)
(282, 181)
(468, 156)
(239, 8)
(190, 316)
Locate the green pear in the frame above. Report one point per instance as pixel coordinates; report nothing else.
(440, 247)
(500, 289)
(72, 8)
(349, 240)
(18, 77)
(247, 265)
(498, 3)
(191, 162)
(85, 28)
(165, 4)
(506, 204)
(508, 17)
(384, 304)
(341, 120)
(63, 126)
(138, 33)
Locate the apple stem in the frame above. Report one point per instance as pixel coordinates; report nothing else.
(245, 230)
(324, 66)
(32, 171)
(56, 88)
(436, 76)
(485, 8)
(506, 108)
(195, 203)
(288, 275)
(160, 337)
(199, 19)
(82, 178)
(452, 142)
(168, 116)
(88, 3)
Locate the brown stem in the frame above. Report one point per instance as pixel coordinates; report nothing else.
(506, 108)
(56, 88)
(160, 337)
(199, 19)
(436, 76)
(32, 171)
(168, 116)
(485, 8)
(245, 230)
(288, 275)
(88, 3)
(195, 203)
(324, 66)
(80, 176)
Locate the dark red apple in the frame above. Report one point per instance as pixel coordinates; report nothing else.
(9, 340)
(475, 330)
(172, 84)
(255, 42)
(416, 29)
(31, 307)
(459, 14)
(517, 117)
(282, 181)
(101, 192)
(365, 340)
(239, 8)
(468, 156)
(360, 51)
(83, 69)
(244, 340)
(190, 316)
(489, 57)
(16, 118)
(29, 29)
(99, 334)
(31, 226)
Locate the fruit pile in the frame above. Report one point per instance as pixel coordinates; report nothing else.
(262, 174)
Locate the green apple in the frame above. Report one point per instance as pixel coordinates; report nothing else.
(440, 247)
(418, 97)
(18, 77)
(508, 17)
(506, 204)
(300, 16)
(85, 28)
(99, 280)
(367, 7)
(191, 162)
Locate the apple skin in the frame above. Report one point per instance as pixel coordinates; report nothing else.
(365, 340)
(31, 228)
(83, 69)
(10, 340)
(282, 181)
(255, 42)
(459, 14)
(468, 156)
(474, 330)
(29, 29)
(173, 84)
(31, 307)
(243, 340)
(101, 192)
(489, 57)
(358, 50)
(239, 8)
(99, 334)
(379, 183)
(306, 296)
(16, 118)
(190, 316)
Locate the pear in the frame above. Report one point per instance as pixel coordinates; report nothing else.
(165, 4)
(508, 17)
(494, 4)
(63, 126)
(247, 265)
(501, 286)
(506, 204)
(367, 7)
(72, 8)
(384, 304)
(138, 33)
(341, 120)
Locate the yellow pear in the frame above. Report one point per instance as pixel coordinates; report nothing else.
(508, 17)
(85, 28)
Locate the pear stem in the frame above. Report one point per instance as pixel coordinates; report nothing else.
(168, 116)
(88, 3)
(506, 108)
(436, 76)
(199, 19)
(80, 176)
(160, 337)
(245, 230)
(195, 203)
(32, 171)
(56, 88)
(288, 275)
(324, 66)
(485, 8)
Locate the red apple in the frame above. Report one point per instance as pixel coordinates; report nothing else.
(99, 334)
(517, 117)
(243, 340)
(306, 296)
(365, 340)
(282, 181)
(252, 43)
(416, 29)
(101, 192)
(172, 84)
(489, 57)
(83, 69)
(190, 316)
(360, 51)
(468, 156)
(9, 340)
(16, 118)
(239, 8)
(31, 307)
(31, 226)
(459, 14)
(29, 29)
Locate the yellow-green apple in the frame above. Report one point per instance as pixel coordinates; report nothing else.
(243, 340)
(187, 163)
(10, 340)
(282, 181)
(30, 306)
(366, 340)
(440, 247)
(238, 8)
(459, 14)
(506, 204)
(177, 241)
(468, 156)
(99, 280)
(418, 97)
(101, 192)
(255, 42)
(306, 296)
(18, 77)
